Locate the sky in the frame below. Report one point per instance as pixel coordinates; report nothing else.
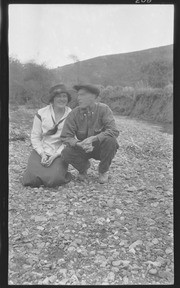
(51, 33)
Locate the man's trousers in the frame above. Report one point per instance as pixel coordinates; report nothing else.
(104, 151)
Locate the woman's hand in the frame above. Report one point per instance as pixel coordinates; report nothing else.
(50, 160)
(44, 158)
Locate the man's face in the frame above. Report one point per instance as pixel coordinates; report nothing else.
(86, 98)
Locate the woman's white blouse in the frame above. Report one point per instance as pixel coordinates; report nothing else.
(43, 122)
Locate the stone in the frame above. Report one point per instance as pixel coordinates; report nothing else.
(116, 263)
(103, 263)
(103, 283)
(40, 245)
(63, 282)
(124, 272)
(111, 276)
(45, 281)
(115, 254)
(40, 218)
(132, 250)
(134, 272)
(155, 241)
(131, 189)
(155, 263)
(125, 280)
(29, 245)
(78, 241)
(103, 245)
(169, 250)
(153, 271)
(24, 233)
(133, 245)
(92, 252)
(25, 266)
(118, 211)
(53, 278)
(71, 249)
(123, 242)
(110, 203)
(115, 269)
(125, 263)
(63, 271)
(150, 222)
(40, 228)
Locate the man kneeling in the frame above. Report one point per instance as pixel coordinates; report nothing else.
(89, 132)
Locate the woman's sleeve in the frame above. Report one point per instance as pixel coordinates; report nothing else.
(36, 134)
(59, 150)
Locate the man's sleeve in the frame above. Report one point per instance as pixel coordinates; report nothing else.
(69, 130)
(108, 121)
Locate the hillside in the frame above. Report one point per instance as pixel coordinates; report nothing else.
(136, 84)
(126, 69)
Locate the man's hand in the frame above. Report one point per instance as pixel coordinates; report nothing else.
(86, 144)
(86, 147)
(89, 140)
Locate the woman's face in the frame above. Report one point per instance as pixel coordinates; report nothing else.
(60, 100)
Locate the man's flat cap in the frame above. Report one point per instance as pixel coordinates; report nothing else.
(89, 87)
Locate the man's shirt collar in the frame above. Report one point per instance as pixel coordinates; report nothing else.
(88, 110)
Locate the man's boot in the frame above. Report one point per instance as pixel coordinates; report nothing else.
(103, 177)
(83, 176)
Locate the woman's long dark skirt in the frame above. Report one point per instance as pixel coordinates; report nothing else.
(36, 174)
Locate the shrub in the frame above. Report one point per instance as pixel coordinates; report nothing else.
(157, 73)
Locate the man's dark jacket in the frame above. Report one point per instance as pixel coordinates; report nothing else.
(82, 123)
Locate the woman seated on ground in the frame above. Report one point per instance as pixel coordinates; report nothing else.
(45, 165)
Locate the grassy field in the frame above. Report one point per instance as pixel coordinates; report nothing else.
(92, 234)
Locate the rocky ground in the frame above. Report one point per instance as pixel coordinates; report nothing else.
(93, 234)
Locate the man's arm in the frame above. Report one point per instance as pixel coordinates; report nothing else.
(110, 128)
(69, 130)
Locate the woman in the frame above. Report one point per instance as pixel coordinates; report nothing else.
(45, 165)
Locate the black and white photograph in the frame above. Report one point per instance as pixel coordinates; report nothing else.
(90, 199)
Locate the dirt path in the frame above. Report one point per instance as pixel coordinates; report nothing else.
(88, 233)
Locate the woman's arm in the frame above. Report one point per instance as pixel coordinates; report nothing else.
(36, 134)
(54, 156)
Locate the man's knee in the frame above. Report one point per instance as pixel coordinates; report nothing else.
(70, 154)
(110, 142)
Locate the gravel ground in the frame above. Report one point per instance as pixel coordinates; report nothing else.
(93, 234)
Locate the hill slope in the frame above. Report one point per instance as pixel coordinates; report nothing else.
(120, 69)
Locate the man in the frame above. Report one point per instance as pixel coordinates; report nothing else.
(89, 132)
